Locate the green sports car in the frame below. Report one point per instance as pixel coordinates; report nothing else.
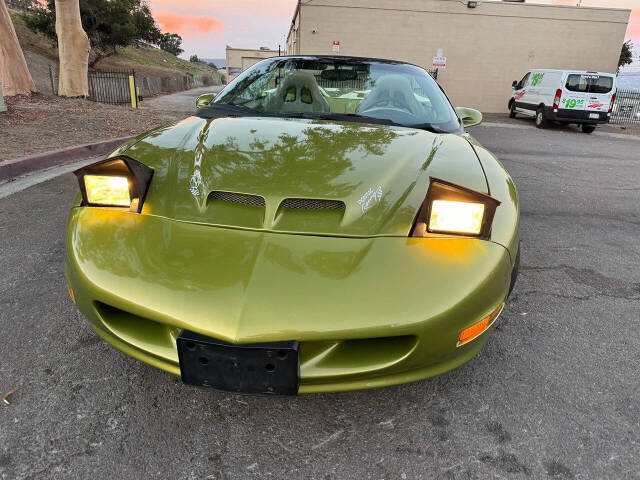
(322, 224)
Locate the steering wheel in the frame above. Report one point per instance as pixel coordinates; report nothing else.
(395, 102)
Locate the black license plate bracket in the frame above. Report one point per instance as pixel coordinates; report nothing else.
(257, 368)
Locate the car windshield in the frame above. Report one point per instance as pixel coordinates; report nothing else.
(343, 88)
(589, 83)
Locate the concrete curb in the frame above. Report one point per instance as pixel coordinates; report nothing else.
(21, 166)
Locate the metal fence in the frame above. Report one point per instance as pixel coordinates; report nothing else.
(110, 87)
(361, 82)
(113, 86)
(24, 5)
(626, 109)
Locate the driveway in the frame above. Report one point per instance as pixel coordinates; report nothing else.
(181, 101)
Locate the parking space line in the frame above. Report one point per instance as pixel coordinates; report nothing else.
(620, 136)
(18, 184)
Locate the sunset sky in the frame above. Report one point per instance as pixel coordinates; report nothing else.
(207, 26)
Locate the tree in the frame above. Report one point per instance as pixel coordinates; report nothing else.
(109, 24)
(626, 55)
(14, 74)
(194, 59)
(73, 50)
(212, 66)
(171, 42)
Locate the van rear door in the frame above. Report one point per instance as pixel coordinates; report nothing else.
(590, 92)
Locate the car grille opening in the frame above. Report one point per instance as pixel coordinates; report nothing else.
(240, 198)
(312, 204)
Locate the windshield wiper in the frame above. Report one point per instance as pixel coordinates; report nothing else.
(429, 127)
(233, 109)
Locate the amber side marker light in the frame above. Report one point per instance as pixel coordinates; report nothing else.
(475, 330)
(71, 294)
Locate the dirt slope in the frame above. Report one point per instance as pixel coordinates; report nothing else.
(146, 60)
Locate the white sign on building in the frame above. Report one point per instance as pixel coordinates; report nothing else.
(439, 61)
(336, 46)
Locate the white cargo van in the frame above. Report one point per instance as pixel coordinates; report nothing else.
(565, 96)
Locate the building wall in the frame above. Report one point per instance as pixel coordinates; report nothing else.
(486, 47)
(293, 38)
(241, 59)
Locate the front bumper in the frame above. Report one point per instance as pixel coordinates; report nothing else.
(577, 116)
(368, 312)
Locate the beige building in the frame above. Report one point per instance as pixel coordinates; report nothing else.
(239, 59)
(486, 47)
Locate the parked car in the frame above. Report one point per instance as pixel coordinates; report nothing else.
(565, 96)
(323, 224)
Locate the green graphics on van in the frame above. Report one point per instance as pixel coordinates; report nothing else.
(572, 103)
(536, 79)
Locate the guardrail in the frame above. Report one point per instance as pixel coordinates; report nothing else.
(626, 108)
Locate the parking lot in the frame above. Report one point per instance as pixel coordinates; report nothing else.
(554, 394)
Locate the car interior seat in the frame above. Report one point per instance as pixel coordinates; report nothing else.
(391, 91)
(298, 93)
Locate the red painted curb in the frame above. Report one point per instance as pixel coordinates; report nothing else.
(21, 166)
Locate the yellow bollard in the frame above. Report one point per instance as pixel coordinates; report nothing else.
(132, 89)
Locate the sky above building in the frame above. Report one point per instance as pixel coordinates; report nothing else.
(207, 26)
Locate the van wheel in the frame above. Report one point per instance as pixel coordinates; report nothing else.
(587, 128)
(512, 110)
(541, 119)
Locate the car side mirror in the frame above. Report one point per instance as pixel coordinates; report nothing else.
(469, 116)
(205, 99)
(515, 84)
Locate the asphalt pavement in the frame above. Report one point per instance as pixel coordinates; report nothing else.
(554, 394)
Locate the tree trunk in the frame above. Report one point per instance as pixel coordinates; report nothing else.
(14, 74)
(73, 50)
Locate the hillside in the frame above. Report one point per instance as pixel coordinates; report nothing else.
(146, 60)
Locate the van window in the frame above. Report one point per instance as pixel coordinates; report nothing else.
(523, 82)
(586, 83)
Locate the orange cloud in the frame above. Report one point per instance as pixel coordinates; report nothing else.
(277, 8)
(186, 25)
(633, 31)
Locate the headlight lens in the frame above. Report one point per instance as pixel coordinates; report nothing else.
(107, 190)
(115, 182)
(456, 217)
(452, 209)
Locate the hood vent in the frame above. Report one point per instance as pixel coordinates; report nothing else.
(241, 198)
(312, 204)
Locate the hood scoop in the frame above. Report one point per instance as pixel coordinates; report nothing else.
(311, 215)
(237, 209)
(292, 214)
(312, 204)
(233, 197)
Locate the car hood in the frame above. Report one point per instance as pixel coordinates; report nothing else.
(299, 176)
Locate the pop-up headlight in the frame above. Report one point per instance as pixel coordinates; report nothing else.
(451, 209)
(115, 182)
